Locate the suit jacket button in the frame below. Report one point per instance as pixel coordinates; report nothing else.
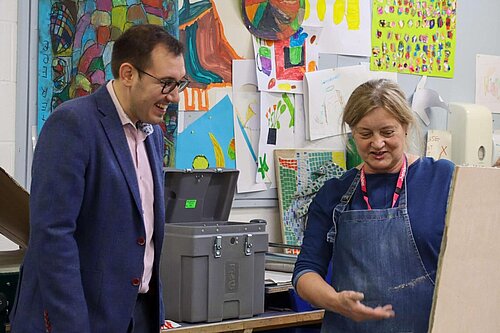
(141, 241)
(136, 282)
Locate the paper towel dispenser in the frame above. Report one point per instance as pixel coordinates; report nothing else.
(471, 127)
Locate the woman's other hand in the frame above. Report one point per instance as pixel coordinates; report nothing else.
(349, 305)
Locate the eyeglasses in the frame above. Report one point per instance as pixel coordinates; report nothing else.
(168, 85)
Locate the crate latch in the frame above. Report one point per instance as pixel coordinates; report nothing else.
(248, 245)
(218, 247)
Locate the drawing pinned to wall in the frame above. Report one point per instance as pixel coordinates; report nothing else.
(281, 65)
(273, 20)
(346, 25)
(488, 81)
(300, 174)
(277, 123)
(414, 37)
(208, 142)
(246, 101)
(327, 92)
(208, 55)
(75, 43)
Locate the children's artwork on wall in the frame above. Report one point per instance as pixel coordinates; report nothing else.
(281, 65)
(209, 141)
(488, 81)
(246, 103)
(346, 25)
(300, 174)
(414, 37)
(75, 44)
(327, 92)
(277, 123)
(272, 20)
(208, 55)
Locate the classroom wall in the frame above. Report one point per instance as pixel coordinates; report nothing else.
(8, 55)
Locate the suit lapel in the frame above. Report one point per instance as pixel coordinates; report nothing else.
(116, 136)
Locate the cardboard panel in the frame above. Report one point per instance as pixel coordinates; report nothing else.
(467, 295)
(14, 210)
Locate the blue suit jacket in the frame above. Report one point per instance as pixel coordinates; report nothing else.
(85, 216)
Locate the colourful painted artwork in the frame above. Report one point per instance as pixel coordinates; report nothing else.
(75, 43)
(300, 174)
(273, 20)
(346, 25)
(208, 55)
(414, 37)
(209, 141)
(281, 65)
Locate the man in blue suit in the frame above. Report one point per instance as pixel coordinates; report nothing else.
(97, 202)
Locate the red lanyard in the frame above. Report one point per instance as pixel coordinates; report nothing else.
(399, 184)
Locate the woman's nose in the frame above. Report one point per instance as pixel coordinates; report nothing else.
(378, 142)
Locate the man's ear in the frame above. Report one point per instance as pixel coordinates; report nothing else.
(127, 73)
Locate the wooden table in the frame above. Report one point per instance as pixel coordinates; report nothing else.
(266, 321)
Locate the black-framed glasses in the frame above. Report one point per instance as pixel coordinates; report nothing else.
(168, 85)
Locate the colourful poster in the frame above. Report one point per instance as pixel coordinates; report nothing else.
(75, 43)
(414, 37)
(209, 141)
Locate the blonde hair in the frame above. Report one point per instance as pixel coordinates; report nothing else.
(373, 94)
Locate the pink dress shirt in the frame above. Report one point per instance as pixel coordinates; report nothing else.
(136, 142)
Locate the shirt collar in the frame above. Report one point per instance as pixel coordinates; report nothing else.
(124, 118)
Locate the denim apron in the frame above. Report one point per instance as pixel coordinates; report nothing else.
(374, 252)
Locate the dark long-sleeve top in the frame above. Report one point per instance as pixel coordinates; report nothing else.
(427, 186)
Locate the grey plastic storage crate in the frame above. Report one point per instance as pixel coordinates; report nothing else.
(211, 269)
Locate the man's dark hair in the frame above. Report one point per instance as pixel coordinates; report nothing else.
(136, 44)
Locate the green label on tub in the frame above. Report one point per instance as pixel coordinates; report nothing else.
(190, 204)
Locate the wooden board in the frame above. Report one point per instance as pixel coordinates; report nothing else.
(467, 294)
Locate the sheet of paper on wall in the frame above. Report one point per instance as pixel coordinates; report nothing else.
(496, 146)
(327, 93)
(277, 128)
(280, 65)
(346, 25)
(246, 104)
(488, 81)
(438, 144)
(424, 98)
(300, 141)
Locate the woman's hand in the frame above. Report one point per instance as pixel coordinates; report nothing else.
(349, 305)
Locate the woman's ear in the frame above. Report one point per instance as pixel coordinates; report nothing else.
(405, 129)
